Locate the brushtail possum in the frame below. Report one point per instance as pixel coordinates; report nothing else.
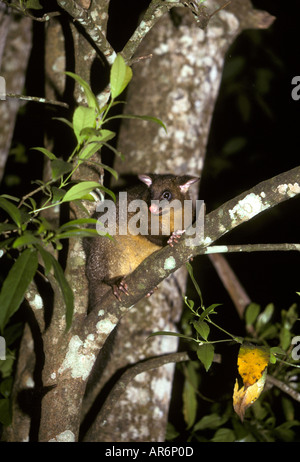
(109, 261)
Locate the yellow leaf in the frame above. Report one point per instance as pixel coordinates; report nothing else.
(244, 397)
(252, 361)
(252, 366)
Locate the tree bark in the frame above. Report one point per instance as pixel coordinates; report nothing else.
(15, 46)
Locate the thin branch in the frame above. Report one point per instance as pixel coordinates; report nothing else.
(284, 387)
(252, 248)
(37, 99)
(23, 11)
(231, 283)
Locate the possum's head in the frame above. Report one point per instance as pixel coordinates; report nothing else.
(167, 196)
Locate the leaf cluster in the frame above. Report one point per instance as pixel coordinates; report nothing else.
(264, 422)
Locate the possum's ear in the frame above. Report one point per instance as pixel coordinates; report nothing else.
(186, 186)
(146, 179)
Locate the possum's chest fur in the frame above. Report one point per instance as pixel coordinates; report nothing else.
(127, 253)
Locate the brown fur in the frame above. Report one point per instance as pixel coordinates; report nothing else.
(109, 261)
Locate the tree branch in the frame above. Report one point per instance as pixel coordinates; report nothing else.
(233, 213)
(94, 31)
(284, 387)
(155, 11)
(131, 372)
(287, 247)
(231, 283)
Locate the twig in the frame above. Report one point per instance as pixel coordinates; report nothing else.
(37, 99)
(232, 284)
(19, 9)
(252, 248)
(284, 387)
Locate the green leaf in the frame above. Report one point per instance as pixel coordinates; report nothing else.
(78, 191)
(5, 412)
(47, 258)
(47, 153)
(264, 317)
(269, 332)
(115, 151)
(95, 143)
(16, 284)
(189, 403)
(13, 198)
(83, 117)
(33, 5)
(95, 134)
(6, 243)
(285, 337)
(210, 421)
(191, 273)
(89, 150)
(224, 435)
(189, 303)
(139, 117)
(251, 314)
(6, 227)
(205, 354)
(6, 387)
(91, 98)
(234, 145)
(108, 191)
(66, 290)
(78, 222)
(202, 328)
(209, 310)
(33, 203)
(77, 232)
(12, 211)
(7, 366)
(57, 194)
(60, 167)
(65, 121)
(120, 76)
(109, 169)
(26, 239)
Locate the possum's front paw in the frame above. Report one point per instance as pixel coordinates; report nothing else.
(120, 288)
(175, 236)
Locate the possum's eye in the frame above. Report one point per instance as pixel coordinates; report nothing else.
(166, 195)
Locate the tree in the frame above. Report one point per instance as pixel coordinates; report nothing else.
(177, 53)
